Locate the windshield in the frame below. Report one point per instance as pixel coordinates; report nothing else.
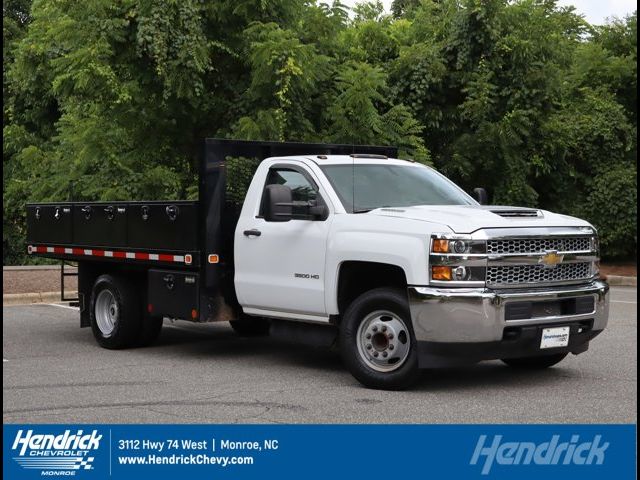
(378, 186)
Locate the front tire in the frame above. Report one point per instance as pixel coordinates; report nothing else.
(535, 363)
(377, 343)
(115, 312)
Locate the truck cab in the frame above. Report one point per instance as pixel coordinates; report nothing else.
(480, 282)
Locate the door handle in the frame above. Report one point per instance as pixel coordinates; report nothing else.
(252, 233)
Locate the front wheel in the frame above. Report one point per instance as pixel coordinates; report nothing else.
(377, 343)
(535, 363)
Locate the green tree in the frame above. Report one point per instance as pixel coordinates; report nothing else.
(111, 100)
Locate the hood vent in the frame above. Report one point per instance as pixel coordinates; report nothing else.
(517, 212)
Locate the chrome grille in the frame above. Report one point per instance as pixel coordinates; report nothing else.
(539, 245)
(526, 274)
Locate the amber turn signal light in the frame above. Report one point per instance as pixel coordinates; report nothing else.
(441, 246)
(441, 273)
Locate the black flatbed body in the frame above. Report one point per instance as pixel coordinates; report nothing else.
(142, 232)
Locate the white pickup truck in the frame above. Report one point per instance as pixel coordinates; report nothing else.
(385, 257)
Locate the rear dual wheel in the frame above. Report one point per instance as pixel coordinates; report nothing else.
(116, 314)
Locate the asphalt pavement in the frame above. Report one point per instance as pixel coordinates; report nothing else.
(54, 372)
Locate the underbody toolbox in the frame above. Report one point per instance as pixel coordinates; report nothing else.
(173, 293)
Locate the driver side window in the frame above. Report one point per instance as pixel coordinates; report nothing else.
(301, 189)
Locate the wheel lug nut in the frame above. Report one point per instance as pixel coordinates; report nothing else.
(369, 346)
(375, 354)
(368, 336)
(375, 329)
(391, 347)
(384, 354)
(384, 328)
(390, 336)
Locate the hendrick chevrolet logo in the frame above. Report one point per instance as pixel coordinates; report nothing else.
(551, 258)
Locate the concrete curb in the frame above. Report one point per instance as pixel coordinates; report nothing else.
(619, 281)
(29, 298)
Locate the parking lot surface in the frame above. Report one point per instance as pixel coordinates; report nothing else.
(54, 372)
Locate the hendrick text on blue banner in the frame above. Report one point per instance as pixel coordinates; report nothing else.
(95, 452)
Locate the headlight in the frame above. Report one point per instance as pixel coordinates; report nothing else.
(457, 260)
(441, 273)
(440, 246)
(445, 273)
(457, 246)
(457, 273)
(460, 274)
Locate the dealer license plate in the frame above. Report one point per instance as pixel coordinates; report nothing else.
(554, 337)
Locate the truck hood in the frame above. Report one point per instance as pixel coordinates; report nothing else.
(469, 218)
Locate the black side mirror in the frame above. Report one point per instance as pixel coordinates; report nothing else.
(480, 194)
(278, 205)
(319, 212)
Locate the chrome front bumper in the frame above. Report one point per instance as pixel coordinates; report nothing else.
(476, 315)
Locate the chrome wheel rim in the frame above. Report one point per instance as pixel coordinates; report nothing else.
(107, 312)
(383, 341)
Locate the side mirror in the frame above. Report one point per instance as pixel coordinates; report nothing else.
(278, 205)
(319, 212)
(480, 194)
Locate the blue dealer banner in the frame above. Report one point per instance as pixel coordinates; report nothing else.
(319, 451)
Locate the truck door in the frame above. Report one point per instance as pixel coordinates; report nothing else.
(279, 266)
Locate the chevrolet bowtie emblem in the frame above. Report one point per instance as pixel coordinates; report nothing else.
(551, 258)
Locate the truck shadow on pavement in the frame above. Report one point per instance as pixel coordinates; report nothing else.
(221, 343)
(490, 375)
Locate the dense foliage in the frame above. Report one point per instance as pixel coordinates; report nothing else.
(111, 99)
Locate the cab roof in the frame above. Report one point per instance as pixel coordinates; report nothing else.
(347, 159)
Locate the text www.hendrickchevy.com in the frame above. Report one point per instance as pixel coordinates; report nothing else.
(181, 459)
